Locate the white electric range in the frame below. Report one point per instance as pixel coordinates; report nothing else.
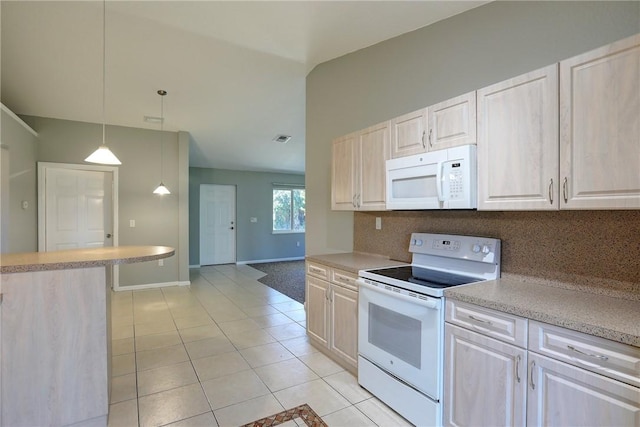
(401, 320)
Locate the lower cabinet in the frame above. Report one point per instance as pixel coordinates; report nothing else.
(485, 380)
(332, 313)
(563, 395)
(558, 377)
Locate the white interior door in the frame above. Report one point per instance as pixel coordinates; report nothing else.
(217, 224)
(76, 206)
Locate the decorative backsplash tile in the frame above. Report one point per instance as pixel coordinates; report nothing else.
(563, 245)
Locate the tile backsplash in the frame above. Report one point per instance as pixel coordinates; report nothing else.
(564, 245)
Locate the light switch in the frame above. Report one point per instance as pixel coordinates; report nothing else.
(253, 219)
(25, 205)
(378, 223)
(132, 223)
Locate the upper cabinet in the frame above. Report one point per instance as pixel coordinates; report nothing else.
(584, 156)
(518, 143)
(443, 125)
(358, 169)
(453, 122)
(408, 133)
(600, 128)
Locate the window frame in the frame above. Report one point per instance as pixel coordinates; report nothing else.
(291, 188)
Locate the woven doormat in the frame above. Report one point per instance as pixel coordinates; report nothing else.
(304, 412)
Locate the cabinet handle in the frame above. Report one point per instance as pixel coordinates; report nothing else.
(565, 190)
(551, 191)
(315, 270)
(488, 322)
(358, 201)
(597, 356)
(353, 201)
(533, 384)
(430, 142)
(423, 144)
(518, 368)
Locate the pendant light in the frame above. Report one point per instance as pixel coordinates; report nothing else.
(161, 190)
(103, 155)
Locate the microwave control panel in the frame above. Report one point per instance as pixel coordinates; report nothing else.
(454, 186)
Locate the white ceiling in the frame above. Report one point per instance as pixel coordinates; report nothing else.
(234, 71)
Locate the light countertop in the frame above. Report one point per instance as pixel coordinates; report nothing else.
(354, 261)
(81, 258)
(614, 318)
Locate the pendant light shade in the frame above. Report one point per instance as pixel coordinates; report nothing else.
(103, 155)
(161, 189)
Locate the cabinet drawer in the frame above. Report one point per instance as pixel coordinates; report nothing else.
(608, 358)
(503, 326)
(343, 278)
(318, 270)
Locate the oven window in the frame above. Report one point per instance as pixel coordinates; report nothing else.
(395, 333)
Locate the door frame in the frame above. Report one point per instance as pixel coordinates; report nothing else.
(42, 170)
(235, 220)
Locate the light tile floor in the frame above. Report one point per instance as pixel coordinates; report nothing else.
(225, 351)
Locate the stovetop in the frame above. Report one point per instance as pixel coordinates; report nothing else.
(424, 276)
(441, 261)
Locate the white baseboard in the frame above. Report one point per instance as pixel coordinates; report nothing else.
(195, 266)
(151, 286)
(262, 261)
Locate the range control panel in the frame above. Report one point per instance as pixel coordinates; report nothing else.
(482, 249)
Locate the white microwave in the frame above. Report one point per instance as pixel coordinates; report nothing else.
(442, 179)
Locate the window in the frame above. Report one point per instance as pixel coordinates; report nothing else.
(289, 211)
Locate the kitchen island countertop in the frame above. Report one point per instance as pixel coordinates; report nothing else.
(614, 318)
(81, 258)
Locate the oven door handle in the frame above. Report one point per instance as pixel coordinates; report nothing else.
(431, 303)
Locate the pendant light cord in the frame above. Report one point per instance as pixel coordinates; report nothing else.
(104, 72)
(162, 94)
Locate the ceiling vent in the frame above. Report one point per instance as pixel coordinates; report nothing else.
(152, 119)
(282, 139)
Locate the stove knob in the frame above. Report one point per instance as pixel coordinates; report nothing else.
(486, 249)
(476, 248)
(413, 242)
(418, 242)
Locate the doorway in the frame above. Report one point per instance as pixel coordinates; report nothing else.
(217, 224)
(77, 207)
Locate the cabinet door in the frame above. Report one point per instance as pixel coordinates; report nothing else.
(518, 143)
(372, 154)
(484, 380)
(343, 173)
(408, 134)
(453, 122)
(344, 324)
(563, 395)
(600, 128)
(317, 300)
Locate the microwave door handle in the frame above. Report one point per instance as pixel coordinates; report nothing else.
(439, 182)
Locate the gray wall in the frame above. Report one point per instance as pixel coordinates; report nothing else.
(157, 217)
(254, 241)
(465, 52)
(19, 224)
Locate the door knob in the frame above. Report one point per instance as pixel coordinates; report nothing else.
(231, 228)
(108, 235)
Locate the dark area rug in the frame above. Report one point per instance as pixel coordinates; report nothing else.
(285, 276)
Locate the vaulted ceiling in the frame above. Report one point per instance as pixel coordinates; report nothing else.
(234, 70)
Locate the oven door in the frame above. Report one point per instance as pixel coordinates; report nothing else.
(402, 335)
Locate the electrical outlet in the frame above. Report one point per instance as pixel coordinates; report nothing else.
(161, 262)
(378, 223)
(298, 244)
(132, 223)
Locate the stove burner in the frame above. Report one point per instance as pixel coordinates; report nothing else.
(425, 277)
